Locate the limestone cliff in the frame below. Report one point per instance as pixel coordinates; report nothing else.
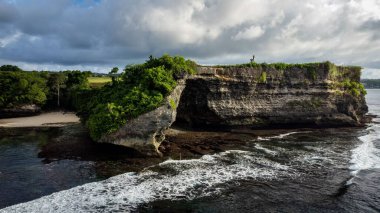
(260, 96)
(252, 96)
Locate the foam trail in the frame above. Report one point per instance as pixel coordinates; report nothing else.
(268, 151)
(186, 179)
(278, 136)
(366, 155)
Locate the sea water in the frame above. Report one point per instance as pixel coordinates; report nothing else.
(313, 170)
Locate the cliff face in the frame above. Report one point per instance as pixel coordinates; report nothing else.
(259, 96)
(252, 96)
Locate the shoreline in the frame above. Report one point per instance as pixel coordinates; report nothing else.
(46, 119)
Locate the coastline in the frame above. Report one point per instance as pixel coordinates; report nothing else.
(47, 119)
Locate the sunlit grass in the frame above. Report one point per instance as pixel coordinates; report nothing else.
(96, 82)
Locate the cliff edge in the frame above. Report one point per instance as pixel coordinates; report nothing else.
(274, 95)
(251, 96)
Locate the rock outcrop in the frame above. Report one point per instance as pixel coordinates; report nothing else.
(262, 96)
(252, 96)
(146, 132)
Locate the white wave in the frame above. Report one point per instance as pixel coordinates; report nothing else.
(366, 155)
(186, 179)
(268, 151)
(278, 136)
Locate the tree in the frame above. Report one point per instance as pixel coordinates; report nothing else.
(57, 81)
(22, 88)
(113, 74)
(10, 68)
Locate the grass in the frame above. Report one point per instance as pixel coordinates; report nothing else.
(96, 82)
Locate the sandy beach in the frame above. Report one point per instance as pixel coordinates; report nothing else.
(45, 119)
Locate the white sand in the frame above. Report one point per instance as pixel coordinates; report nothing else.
(45, 119)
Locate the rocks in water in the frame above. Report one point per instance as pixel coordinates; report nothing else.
(146, 132)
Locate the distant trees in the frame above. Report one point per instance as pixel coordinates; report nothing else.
(10, 68)
(77, 79)
(20, 88)
(371, 83)
(45, 89)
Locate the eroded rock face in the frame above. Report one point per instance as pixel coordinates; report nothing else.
(258, 98)
(251, 97)
(146, 132)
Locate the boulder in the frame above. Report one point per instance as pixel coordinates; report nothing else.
(146, 132)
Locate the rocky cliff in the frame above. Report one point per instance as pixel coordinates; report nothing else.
(252, 96)
(146, 132)
(273, 95)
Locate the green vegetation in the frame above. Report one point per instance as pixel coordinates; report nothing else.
(310, 68)
(263, 77)
(141, 88)
(354, 88)
(45, 89)
(313, 103)
(105, 103)
(341, 72)
(172, 103)
(21, 88)
(276, 66)
(10, 68)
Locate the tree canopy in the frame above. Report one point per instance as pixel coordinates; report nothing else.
(142, 88)
(8, 67)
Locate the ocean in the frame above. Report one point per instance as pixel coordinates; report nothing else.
(303, 170)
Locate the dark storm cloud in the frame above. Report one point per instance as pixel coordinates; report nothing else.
(41, 33)
(7, 12)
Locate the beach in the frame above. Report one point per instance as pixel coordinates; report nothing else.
(49, 119)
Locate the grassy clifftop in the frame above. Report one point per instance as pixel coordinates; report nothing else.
(342, 78)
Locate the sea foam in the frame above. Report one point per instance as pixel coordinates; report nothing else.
(172, 179)
(367, 155)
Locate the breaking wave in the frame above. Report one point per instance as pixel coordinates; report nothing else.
(367, 155)
(172, 179)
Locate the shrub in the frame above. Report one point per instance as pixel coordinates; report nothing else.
(263, 77)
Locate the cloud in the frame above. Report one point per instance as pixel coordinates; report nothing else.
(370, 73)
(9, 39)
(70, 33)
(249, 33)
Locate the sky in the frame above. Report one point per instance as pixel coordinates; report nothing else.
(97, 35)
